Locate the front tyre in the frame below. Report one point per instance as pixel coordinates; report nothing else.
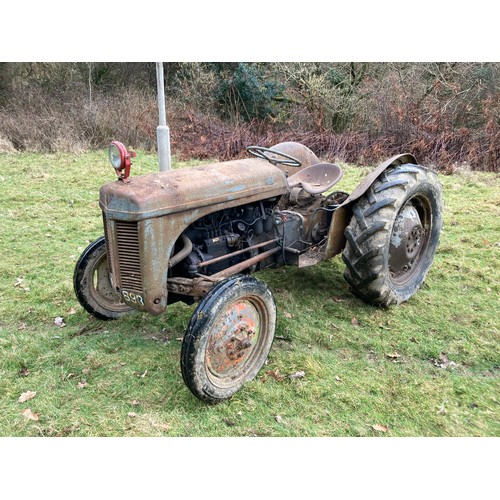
(393, 235)
(228, 338)
(92, 285)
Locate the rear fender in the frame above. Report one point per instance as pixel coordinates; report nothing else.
(342, 216)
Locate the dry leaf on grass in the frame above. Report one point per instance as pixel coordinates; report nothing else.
(393, 355)
(378, 427)
(299, 374)
(82, 384)
(278, 419)
(132, 414)
(355, 321)
(288, 315)
(58, 321)
(19, 281)
(275, 374)
(30, 415)
(26, 396)
(444, 362)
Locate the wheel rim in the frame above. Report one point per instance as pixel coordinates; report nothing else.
(236, 340)
(409, 240)
(100, 287)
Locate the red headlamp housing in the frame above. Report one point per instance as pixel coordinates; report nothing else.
(120, 158)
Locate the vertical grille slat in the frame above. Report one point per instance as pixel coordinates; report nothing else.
(127, 242)
(106, 239)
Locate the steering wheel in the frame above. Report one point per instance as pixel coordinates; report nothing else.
(264, 153)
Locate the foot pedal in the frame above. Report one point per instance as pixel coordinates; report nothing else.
(311, 257)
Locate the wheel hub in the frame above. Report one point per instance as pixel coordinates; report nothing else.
(406, 242)
(233, 338)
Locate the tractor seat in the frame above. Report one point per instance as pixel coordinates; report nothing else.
(316, 179)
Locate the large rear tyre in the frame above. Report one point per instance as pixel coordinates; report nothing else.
(92, 285)
(228, 338)
(393, 235)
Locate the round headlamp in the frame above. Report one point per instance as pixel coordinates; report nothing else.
(117, 154)
(120, 159)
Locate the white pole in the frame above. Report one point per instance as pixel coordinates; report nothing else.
(162, 131)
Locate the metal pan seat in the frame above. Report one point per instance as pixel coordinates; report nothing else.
(316, 179)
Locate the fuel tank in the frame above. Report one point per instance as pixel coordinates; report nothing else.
(163, 193)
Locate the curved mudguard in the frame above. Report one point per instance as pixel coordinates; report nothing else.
(342, 216)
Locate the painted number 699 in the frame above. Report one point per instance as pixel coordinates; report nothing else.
(132, 297)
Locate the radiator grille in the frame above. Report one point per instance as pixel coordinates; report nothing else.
(127, 242)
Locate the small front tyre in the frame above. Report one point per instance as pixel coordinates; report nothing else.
(93, 287)
(228, 338)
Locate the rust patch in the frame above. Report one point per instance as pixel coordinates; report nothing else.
(233, 338)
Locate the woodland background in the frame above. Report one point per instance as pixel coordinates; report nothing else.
(446, 113)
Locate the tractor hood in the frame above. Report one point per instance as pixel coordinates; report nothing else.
(154, 195)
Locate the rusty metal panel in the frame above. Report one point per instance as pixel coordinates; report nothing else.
(157, 237)
(361, 189)
(192, 188)
(147, 216)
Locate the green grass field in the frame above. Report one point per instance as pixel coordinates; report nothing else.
(429, 367)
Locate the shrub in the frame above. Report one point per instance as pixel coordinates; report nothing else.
(248, 94)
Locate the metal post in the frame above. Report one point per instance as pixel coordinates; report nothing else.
(162, 131)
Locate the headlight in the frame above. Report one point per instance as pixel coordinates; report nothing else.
(120, 159)
(117, 154)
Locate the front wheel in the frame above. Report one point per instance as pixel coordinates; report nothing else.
(92, 285)
(393, 235)
(228, 338)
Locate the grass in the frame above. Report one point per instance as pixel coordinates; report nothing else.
(363, 366)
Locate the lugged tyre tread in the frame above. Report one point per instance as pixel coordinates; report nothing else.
(369, 231)
(390, 184)
(378, 205)
(404, 169)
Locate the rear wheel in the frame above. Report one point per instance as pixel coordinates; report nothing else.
(92, 284)
(228, 338)
(393, 235)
